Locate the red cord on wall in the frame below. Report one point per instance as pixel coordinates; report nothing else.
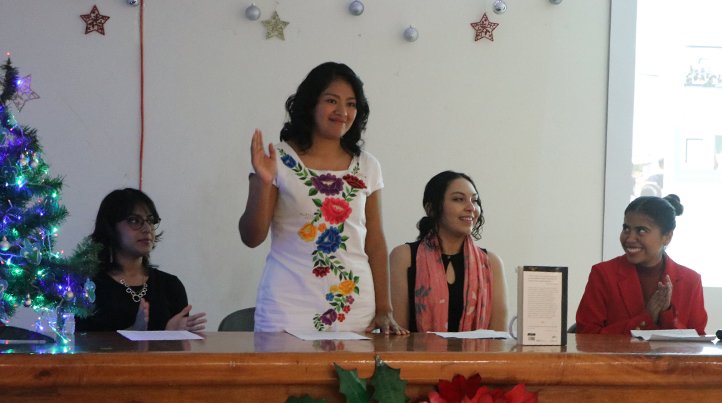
(142, 97)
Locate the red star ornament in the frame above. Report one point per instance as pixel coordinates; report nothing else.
(484, 28)
(94, 21)
(24, 93)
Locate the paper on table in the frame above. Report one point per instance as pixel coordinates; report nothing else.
(475, 334)
(327, 335)
(159, 335)
(670, 335)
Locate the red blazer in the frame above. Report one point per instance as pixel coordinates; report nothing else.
(613, 301)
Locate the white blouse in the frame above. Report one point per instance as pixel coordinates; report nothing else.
(317, 275)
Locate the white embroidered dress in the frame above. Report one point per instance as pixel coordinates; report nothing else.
(317, 275)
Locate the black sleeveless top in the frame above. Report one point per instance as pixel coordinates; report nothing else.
(456, 290)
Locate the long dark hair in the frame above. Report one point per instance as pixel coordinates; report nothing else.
(302, 104)
(661, 210)
(114, 208)
(433, 203)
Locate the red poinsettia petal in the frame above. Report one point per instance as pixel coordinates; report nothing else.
(482, 396)
(486, 398)
(498, 394)
(435, 398)
(516, 395)
(530, 397)
(459, 381)
(472, 385)
(449, 391)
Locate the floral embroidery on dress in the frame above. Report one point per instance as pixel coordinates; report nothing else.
(334, 210)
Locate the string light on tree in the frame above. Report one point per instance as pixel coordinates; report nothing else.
(30, 214)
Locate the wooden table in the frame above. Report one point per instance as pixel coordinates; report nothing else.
(268, 367)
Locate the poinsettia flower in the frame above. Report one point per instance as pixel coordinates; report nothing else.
(459, 387)
(518, 394)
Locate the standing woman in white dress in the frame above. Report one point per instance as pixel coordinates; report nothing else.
(320, 195)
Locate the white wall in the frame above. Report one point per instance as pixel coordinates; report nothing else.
(524, 115)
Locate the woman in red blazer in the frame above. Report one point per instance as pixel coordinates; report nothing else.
(643, 289)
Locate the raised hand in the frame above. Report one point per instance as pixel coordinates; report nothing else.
(264, 165)
(191, 323)
(141, 318)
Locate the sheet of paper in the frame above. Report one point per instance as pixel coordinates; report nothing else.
(476, 334)
(160, 335)
(327, 335)
(671, 335)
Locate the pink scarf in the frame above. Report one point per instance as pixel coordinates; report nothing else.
(432, 292)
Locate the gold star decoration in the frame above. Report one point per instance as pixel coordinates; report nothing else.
(274, 26)
(94, 21)
(484, 28)
(24, 93)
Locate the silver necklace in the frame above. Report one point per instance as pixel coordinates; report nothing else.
(136, 296)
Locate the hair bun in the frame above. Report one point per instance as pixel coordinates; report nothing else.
(673, 199)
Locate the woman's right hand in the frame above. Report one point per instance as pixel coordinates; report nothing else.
(264, 165)
(141, 318)
(661, 300)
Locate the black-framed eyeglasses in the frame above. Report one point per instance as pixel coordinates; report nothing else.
(136, 222)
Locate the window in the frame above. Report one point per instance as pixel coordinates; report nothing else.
(676, 130)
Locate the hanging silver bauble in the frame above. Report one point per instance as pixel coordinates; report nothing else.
(69, 295)
(253, 13)
(499, 7)
(411, 34)
(134, 2)
(4, 244)
(555, 1)
(356, 8)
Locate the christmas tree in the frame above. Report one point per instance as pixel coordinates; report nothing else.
(32, 272)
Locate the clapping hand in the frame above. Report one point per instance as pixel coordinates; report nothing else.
(141, 318)
(661, 300)
(264, 165)
(192, 323)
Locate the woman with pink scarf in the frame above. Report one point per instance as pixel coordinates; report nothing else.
(443, 282)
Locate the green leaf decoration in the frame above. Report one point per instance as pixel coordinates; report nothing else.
(353, 387)
(340, 228)
(343, 246)
(388, 386)
(355, 289)
(312, 173)
(312, 192)
(304, 399)
(344, 238)
(317, 202)
(356, 279)
(308, 183)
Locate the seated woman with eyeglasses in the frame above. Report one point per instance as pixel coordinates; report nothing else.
(131, 293)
